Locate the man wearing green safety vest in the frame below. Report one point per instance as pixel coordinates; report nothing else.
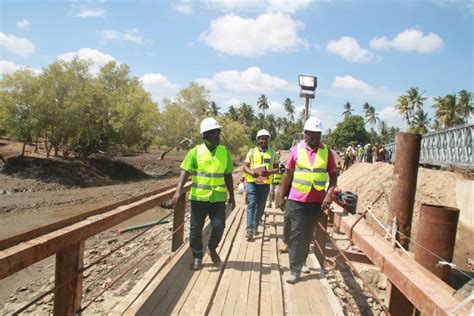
(210, 165)
(310, 165)
(276, 180)
(259, 167)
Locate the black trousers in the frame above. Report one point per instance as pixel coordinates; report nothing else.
(199, 211)
(302, 218)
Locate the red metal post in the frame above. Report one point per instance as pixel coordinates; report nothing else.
(402, 197)
(436, 235)
(178, 224)
(68, 282)
(405, 172)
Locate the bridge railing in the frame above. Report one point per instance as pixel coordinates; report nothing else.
(452, 146)
(66, 239)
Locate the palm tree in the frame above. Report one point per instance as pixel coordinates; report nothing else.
(232, 113)
(466, 105)
(415, 98)
(262, 103)
(347, 110)
(383, 129)
(421, 122)
(448, 111)
(436, 125)
(371, 116)
(246, 114)
(392, 133)
(272, 125)
(366, 108)
(289, 108)
(403, 106)
(214, 109)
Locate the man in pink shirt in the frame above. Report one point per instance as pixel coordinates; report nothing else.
(310, 165)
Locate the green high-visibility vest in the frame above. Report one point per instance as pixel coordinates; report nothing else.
(209, 175)
(307, 175)
(277, 178)
(256, 160)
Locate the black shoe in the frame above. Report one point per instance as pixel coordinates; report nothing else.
(249, 236)
(214, 256)
(255, 231)
(197, 264)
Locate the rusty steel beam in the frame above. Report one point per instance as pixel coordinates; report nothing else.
(25, 254)
(425, 291)
(403, 190)
(436, 237)
(13, 240)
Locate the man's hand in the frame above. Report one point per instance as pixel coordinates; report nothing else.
(326, 202)
(174, 200)
(231, 202)
(280, 202)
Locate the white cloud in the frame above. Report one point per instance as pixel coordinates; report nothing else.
(184, 7)
(349, 49)
(159, 86)
(234, 35)
(251, 80)
(352, 84)
(8, 67)
(23, 24)
(286, 6)
(97, 58)
(17, 45)
(91, 13)
(131, 35)
(409, 40)
(389, 113)
(461, 5)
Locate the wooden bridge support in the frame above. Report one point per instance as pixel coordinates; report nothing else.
(68, 280)
(178, 224)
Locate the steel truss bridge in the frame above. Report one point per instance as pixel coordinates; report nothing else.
(450, 147)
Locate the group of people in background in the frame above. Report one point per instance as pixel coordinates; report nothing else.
(303, 189)
(367, 153)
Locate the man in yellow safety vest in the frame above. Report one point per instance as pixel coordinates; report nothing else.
(259, 167)
(210, 165)
(310, 165)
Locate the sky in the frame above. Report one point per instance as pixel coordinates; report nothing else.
(360, 51)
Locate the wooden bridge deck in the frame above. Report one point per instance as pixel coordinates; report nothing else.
(249, 281)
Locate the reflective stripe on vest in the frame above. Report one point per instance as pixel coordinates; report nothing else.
(307, 175)
(277, 178)
(209, 175)
(256, 160)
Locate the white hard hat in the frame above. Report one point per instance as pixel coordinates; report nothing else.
(263, 132)
(313, 124)
(209, 124)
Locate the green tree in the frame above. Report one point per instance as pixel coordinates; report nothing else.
(232, 113)
(232, 132)
(350, 130)
(448, 111)
(19, 104)
(347, 110)
(289, 108)
(403, 107)
(262, 103)
(465, 102)
(246, 114)
(421, 122)
(371, 116)
(214, 109)
(383, 130)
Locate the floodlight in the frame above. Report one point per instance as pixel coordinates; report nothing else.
(307, 82)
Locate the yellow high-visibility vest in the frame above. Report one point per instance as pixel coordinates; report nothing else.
(277, 178)
(256, 160)
(209, 175)
(307, 175)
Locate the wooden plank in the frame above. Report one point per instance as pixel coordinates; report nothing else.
(235, 285)
(209, 289)
(225, 282)
(140, 287)
(253, 300)
(150, 292)
(243, 283)
(187, 301)
(25, 254)
(266, 269)
(13, 240)
(276, 277)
